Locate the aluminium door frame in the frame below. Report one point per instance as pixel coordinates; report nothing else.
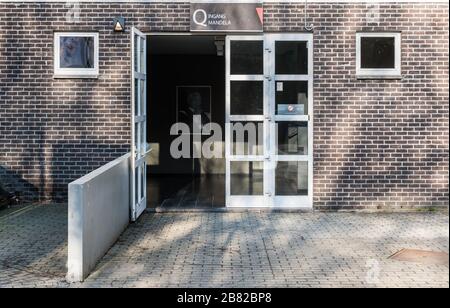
(248, 201)
(306, 202)
(138, 187)
(269, 200)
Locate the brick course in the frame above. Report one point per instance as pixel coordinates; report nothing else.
(377, 143)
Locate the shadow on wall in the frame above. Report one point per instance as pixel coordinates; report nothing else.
(60, 129)
(7, 198)
(47, 179)
(14, 189)
(382, 142)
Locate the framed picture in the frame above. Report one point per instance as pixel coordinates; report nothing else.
(193, 101)
(76, 54)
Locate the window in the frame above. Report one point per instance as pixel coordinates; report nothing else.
(378, 55)
(76, 55)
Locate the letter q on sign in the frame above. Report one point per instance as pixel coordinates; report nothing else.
(200, 17)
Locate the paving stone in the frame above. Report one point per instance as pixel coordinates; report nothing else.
(232, 250)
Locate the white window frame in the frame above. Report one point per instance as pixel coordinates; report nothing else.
(75, 72)
(372, 73)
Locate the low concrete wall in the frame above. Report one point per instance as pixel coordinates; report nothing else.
(99, 211)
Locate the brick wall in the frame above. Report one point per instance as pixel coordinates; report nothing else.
(376, 142)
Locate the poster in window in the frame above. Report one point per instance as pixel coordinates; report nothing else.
(76, 52)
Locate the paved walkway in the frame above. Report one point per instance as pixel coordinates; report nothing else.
(232, 250)
(33, 246)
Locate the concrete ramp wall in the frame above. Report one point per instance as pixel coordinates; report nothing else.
(99, 211)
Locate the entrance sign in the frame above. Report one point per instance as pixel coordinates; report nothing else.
(226, 17)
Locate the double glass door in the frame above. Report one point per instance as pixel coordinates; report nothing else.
(269, 144)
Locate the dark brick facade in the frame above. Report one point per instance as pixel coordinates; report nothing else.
(376, 142)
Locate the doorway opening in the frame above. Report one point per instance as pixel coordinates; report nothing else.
(258, 89)
(186, 77)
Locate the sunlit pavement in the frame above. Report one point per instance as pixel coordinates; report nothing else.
(248, 249)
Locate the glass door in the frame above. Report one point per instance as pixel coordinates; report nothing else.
(246, 136)
(139, 124)
(291, 129)
(268, 121)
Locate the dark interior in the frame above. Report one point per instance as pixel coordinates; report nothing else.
(179, 68)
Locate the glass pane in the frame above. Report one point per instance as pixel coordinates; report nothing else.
(292, 97)
(292, 138)
(378, 52)
(136, 97)
(142, 182)
(76, 52)
(136, 49)
(136, 137)
(142, 141)
(142, 98)
(291, 178)
(247, 138)
(291, 58)
(136, 185)
(246, 98)
(247, 178)
(142, 56)
(246, 58)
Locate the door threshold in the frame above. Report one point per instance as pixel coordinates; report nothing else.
(228, 210)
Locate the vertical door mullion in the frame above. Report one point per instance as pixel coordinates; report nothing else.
(272, 123)
(139, 124)
(138, 145)
(133, 124)
(144, 104)
(311, 118)
(273, 134)
(268, 191)
(227, 123)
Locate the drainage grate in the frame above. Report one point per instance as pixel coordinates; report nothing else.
(421, 256)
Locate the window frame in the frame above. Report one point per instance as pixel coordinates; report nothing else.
(59, 72)
(379, 73)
